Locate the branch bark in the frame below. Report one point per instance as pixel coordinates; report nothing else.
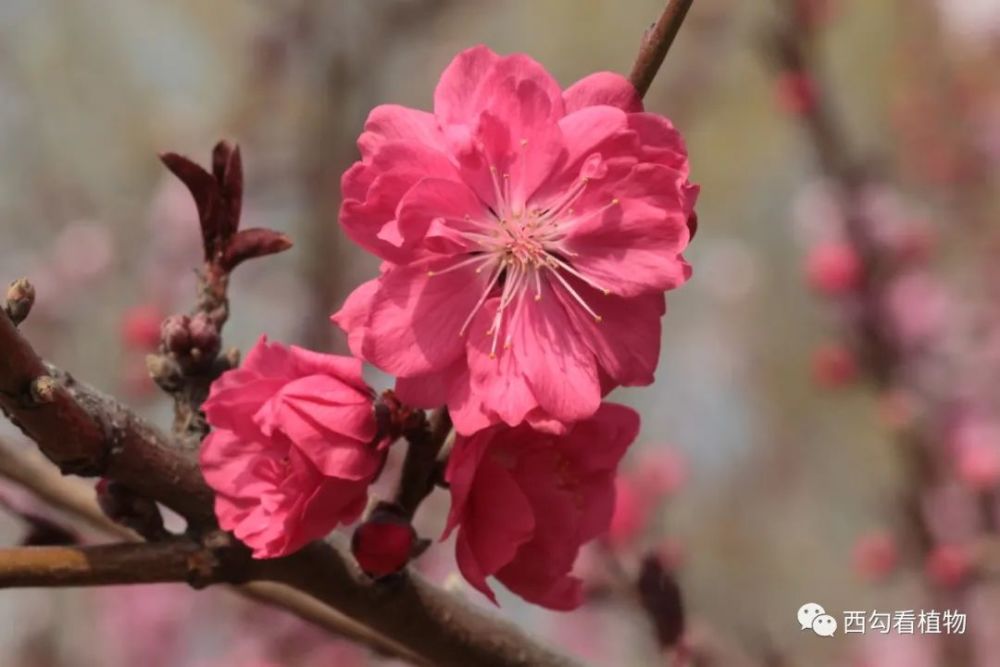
(656, 44)
(420, 467)
(85, 432)
(107, 565)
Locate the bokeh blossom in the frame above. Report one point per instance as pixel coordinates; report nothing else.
(528, 235)
(293, 447)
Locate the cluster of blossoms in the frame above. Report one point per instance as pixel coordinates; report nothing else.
(528, 235)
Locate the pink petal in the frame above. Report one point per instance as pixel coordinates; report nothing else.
(353, 315)
(601, 129)
(498, 519)
(452, 208)
(346, 370)
(476, 78)
(602, 88)
(416, 319)
(626, 342)
(466, 455)
(660, 142)
(372, 192)
(634, 246)
(391, 123)
(547, 365)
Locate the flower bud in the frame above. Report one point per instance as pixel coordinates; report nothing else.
(175, 333)
(383, 543)
(204, 336)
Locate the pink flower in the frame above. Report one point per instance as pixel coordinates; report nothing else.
(292, 450)
(948, 565)
(660, 473)
(525, 501)
(875, 556)
(528, 236)
(976, 444)
(833, 269)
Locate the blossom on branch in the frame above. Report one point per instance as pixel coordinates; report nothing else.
(293, 449)
(525, 501)
(528, 236)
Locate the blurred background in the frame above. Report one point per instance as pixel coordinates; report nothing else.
(769, 472)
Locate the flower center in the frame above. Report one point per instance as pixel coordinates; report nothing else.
(520, 248)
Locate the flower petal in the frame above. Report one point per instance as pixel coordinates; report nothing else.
(416, 319)
(600, 88)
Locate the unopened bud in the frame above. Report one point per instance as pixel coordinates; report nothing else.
(176, 334)
(384, 543)
(20, 299)
(204, 336)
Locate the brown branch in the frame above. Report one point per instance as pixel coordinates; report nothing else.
(313, 611)
(85, 432)
(107, 565)
(656, 43)
(421, 467)
(76, 499)
(449, 631)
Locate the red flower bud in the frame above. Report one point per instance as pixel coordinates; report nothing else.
(383, 544)
(204, 335)
(176, 334)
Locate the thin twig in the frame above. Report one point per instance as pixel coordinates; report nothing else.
(656, 43)
(420, 467)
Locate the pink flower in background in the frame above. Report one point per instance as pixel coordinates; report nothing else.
(875, 556)
(919, 306)
(528, 236)
(833, 269)
(948, 565)
(292, 449)
(659, 473)
(976, 446)
(524, 502)
(140, 327)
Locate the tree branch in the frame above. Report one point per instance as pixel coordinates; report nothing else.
(86, 432)
(656, 43)
(107, 565)
(76, 499)
(421, 467)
